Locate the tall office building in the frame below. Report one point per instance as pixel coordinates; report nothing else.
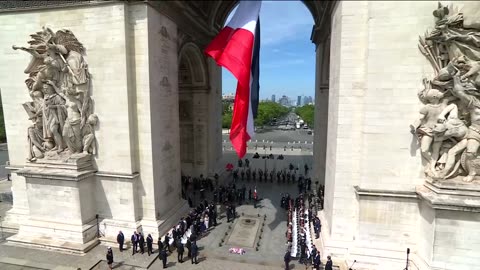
(273, 98)
(299, 101)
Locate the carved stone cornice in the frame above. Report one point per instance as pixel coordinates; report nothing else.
(114, 175)
(360, 191)
(55, 174)
(186, 20)
(18, 6)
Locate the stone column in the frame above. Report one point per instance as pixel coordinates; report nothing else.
(321, 110)
(160, 188)
(214, 149)
(344, 135)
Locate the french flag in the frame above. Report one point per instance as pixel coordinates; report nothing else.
(237, 48)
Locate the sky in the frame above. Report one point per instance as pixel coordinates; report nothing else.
(287, 56)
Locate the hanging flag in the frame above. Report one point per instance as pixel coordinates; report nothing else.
(237, 48)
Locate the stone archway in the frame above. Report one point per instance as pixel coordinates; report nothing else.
(193, 89)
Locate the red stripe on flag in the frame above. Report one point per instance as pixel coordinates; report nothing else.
(233, 49)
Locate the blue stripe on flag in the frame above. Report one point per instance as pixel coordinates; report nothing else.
(255, 87)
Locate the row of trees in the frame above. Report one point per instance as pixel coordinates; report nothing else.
(306, 113)
(267, 110)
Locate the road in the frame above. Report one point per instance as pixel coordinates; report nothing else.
(280, 136)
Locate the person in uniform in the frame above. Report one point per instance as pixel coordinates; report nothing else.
(120, 240)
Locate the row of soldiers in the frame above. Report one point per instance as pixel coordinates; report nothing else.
(291, 167)
(281, 176)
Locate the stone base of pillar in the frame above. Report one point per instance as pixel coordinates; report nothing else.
(109, 229)
(450, 211)
(166, 222)
(77, 239)
(61, 203)
(12, 219)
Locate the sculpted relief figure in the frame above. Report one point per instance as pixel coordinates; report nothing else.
(61, 107)
(448, 127)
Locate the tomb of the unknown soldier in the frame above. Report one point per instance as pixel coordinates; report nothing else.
(113, 119)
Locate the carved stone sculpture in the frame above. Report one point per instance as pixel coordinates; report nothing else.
(451, 97)
(61, 107)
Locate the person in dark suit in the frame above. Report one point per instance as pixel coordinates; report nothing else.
(141, 242)
(120, 240)
(109, 258)
(134, 240)
(329, 265)
(189, 247)
(316, 260)
(166, 243)
(160, 245)
(149, 244)
(163, 257)
(194, 252)
(180, 251)
(287, 258)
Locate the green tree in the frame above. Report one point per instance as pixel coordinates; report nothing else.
(227, 120)
(267, 110)
(307, 113)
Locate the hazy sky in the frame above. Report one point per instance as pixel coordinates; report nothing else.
(287, 56)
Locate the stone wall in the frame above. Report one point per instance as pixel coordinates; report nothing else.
(132, 57)
(376, 70)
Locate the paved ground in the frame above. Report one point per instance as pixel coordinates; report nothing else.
(212, 256)
(280, 136)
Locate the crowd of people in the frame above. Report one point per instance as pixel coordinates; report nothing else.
(182, 236)
(203, 215)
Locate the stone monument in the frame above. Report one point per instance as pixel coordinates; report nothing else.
(448, 130)
(451, 97)
(59, 173)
